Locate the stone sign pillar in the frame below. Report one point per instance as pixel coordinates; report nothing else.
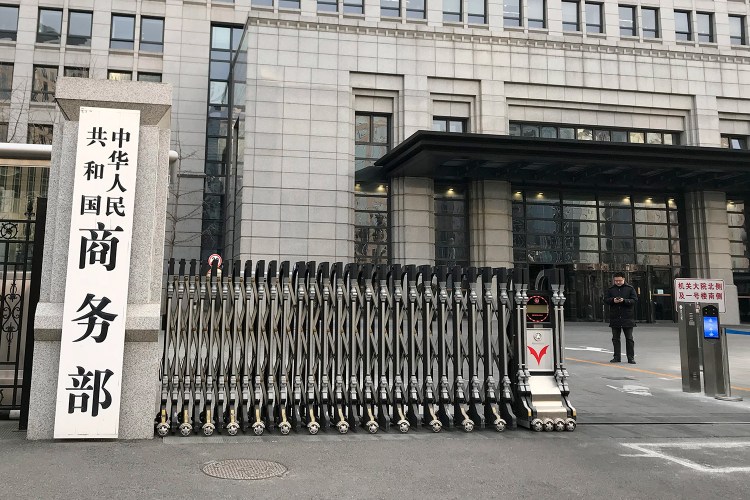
(139, 383)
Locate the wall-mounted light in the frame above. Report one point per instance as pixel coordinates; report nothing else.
(381, 188)
(540, 195)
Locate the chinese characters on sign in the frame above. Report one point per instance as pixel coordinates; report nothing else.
(96, 294)
(700, 291)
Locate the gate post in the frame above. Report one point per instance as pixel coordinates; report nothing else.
(143, 319)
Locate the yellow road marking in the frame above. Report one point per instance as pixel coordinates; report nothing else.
(639, 370)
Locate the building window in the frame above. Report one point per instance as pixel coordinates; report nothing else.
(263, 3)
(79, 28)
(8, 22)
(571, 16)
(451, 226)
(537, 14)
(390, 8)
(737, 30)
(477, 12)
(371, 223)
(588, 133)
(3, 132)
(152, 35)
(76, 72)
(372, 138)
(447, 124)
(628, 25)
(738, 235)
(39, 134)
(328, 6)
(123, 76)
(123, 32)
(415, 9)
(682, 28)
(289, 4)
(650, 22)
(6, 80)
(50, 26)
(594, 17)
(149, 77)
(354, 6)
(43, 86)
(452, 11)
(733, 142)
(512, 13)
(705, 22)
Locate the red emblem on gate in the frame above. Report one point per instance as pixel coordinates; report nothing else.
(538, 355)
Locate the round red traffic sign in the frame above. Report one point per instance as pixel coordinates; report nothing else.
(215, 257)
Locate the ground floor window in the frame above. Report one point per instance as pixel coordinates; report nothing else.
(451, 225)
(371, 224)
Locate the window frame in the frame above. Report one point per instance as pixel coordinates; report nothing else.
(72, 69)
(626, 31)
(149, 74)
(390, 12)
(11, 35)
(711, 35)
(600, 8)
(687, 34)
(416, 13)
(41, 126)
(743, 30)
(112, 38)
(47, 95)
(146, 45)
(44, 37)
(577, 23)
(656, 30)
(86, 39)
(7, 93)
(508, 20)
(447, 120)
(450, 16)
(538, 23)
(111, 72)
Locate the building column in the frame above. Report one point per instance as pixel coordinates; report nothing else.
(491, 224)
(412, 221)
(708, 244)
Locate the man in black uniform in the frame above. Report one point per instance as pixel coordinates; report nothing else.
(622, 298)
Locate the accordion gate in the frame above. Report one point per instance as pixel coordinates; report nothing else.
(333, 346)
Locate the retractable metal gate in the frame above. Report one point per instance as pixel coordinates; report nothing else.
(321, 346)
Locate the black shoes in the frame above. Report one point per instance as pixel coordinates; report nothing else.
(614, 360)
(631, 361)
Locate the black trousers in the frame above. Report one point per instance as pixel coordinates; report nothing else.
(629, 342)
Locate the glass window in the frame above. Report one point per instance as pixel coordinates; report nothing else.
(682, 28)
(149, 77)
(289, 4)
(352, 6)
(654, 138)
(372, 138)
(371, 223)
(594, 17)
(512, 13)
(514, 129)
(530, 131)
(390, 8)
(8, 22)
(733, 142)
(152, 34)
(567, 133)
(737, 30)
(602, 135)
(123, 32)
(537, 14)
(124, 76)
(549, 132)
(477, 12)
(705, 25)
(452, 10)
(415, 9)
(451, 226)
(328, 6)
(442, 124)
(619, 136)
(637, 137)
(267, 3)
(571, 16)
(76, 72)
(43, 87)
(650, 21)
(6, 80)
(628, 25)
(3, 132)
(79, 28)
(585, 134)
(50, 26)
(39, 134)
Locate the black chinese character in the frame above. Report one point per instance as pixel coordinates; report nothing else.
(82, 385)
(97, 311)
(117, 184)
(118, 158)
(116, 206)
(100, 247)
(97, 135)
(91, 204)
(121, 137)
(94, 170)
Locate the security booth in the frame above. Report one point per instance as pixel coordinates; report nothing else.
(591, 208)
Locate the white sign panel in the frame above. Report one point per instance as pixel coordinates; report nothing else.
(539, 344)
(96, 293)
(700, 290)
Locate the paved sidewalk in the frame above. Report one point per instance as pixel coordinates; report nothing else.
(639, 437)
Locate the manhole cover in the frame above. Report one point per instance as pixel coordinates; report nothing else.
(244, 469)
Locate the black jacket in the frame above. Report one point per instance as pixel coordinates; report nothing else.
(621, 314)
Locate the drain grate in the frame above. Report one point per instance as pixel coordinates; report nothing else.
(244, 469)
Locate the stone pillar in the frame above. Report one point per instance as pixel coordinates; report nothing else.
(708, 245)
(491, 224)
(412, 220)
(143, 322)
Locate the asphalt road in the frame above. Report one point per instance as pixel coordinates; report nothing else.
(639, 437)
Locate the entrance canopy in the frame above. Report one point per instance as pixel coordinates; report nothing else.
(565, 163)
